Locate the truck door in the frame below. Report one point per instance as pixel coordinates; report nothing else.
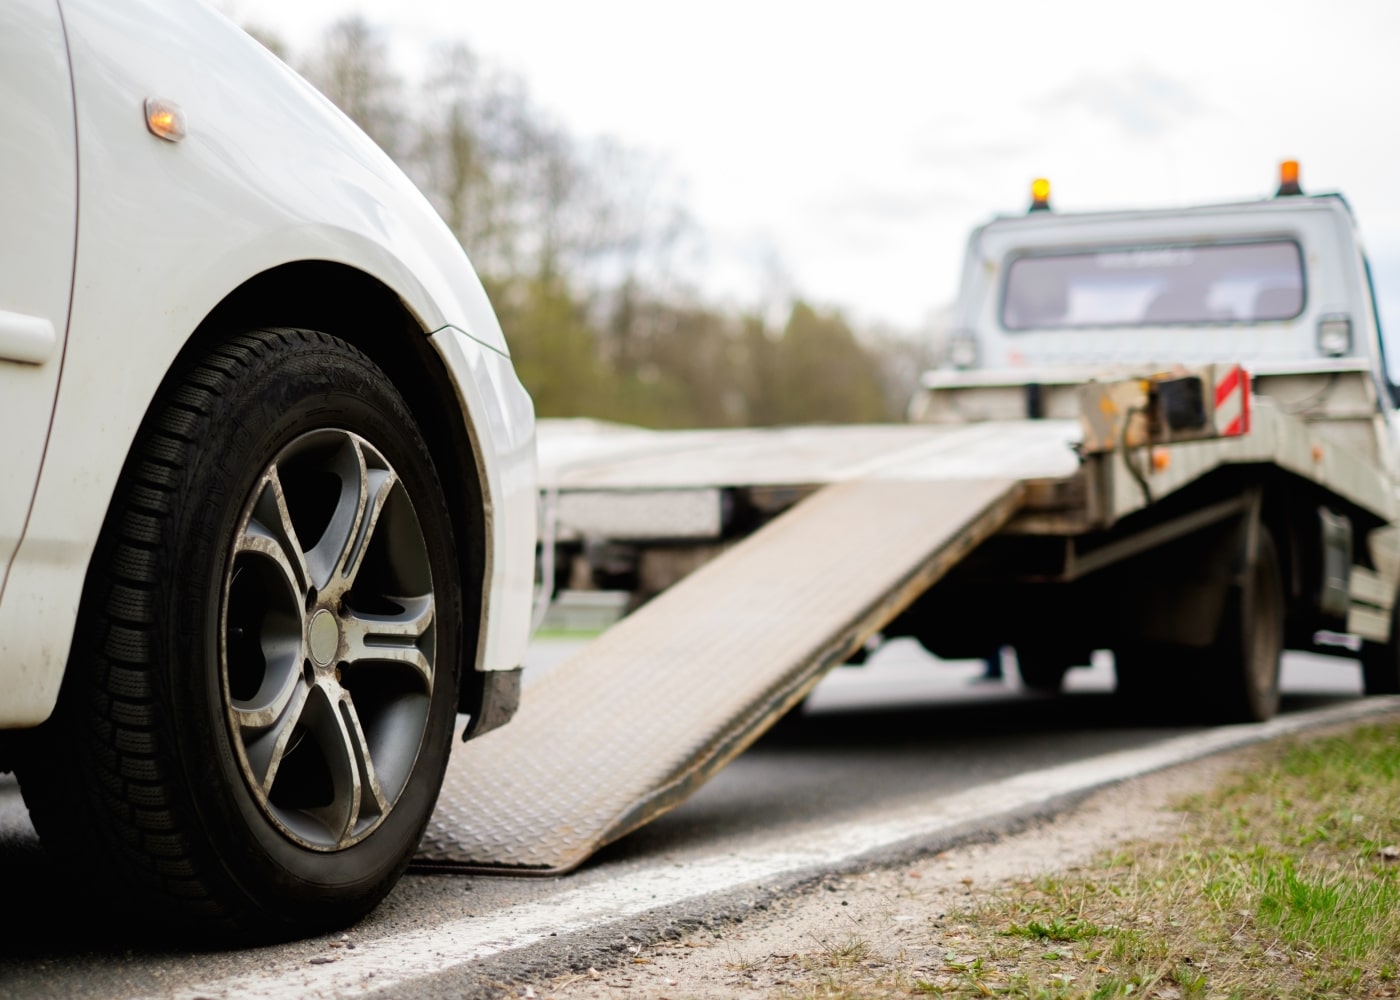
(38, 223)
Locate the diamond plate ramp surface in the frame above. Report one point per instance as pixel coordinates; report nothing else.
(639, 718)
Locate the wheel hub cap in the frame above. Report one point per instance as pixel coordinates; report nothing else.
(323, 638)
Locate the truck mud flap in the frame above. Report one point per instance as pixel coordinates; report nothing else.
(641, 717)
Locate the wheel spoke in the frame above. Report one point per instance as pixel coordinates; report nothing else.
(343, 528)
(391, 638)
(279, 687)
(356, 787)
(379, 483)
(269, 533)
(371, 797)
(365, 487)
(267, 732)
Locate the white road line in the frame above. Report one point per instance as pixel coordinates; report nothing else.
(402, 958)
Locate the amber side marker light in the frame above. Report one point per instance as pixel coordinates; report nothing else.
(165, 119)
(1040, 195)
(1288, 179)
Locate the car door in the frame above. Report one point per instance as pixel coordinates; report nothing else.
(38, 222)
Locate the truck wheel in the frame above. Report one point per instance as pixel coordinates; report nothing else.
(259, 704)
(1043, 669)
(1240, 671)
(1380, 661)
(1148, 678)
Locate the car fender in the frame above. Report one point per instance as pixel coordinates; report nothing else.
(268, 173)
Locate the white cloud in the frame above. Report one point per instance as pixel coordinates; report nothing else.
(1141, 102)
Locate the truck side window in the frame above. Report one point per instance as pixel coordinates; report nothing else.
(1390, 383)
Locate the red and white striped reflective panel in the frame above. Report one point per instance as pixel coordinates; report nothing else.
(1231, 401)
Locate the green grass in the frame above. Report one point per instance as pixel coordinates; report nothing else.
(1279, 886)
(1070, 929)
(566, 634)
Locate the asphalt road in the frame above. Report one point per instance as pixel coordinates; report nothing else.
(903, 732)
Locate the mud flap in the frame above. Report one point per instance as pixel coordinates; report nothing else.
(641, 717)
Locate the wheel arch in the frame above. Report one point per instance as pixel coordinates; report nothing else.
(1293, 509)
(347, 303)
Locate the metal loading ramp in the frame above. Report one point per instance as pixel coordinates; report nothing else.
(642, 716)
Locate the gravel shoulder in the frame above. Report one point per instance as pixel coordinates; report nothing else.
(905, 914)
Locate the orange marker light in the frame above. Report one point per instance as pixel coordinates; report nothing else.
(1040, 195)
(1161, 459)
(1288, 179)
(165, 119)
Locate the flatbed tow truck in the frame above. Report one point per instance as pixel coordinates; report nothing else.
(1166, 433)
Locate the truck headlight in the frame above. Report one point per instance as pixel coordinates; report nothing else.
(1334, 336)
(962, 350)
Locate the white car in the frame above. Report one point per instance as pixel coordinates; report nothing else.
(267, 521)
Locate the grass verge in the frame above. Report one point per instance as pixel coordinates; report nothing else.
(1285, 883)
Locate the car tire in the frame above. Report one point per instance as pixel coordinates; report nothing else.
(260, 699)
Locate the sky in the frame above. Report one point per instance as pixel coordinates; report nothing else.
(843, 150)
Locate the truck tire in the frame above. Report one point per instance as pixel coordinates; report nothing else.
(1149, 679)
(1380, 661)
(1043, 668)
(1233, 680)
(260, 699)
(1239, 674)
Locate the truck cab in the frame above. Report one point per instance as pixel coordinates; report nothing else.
(1273, 283)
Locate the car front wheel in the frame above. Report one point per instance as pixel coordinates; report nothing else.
(259, 704)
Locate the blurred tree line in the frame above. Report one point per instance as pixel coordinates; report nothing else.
(576, 243)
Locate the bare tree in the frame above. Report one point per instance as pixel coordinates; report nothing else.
(353, 69)
(574, 241)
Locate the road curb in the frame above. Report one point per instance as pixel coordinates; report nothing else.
(597, 919)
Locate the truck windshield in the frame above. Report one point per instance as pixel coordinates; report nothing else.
(1155, 285)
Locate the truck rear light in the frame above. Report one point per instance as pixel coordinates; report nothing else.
(1334, 336)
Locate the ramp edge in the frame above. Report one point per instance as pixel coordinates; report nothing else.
(781, 698)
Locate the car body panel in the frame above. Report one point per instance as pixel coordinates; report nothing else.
(38, 215)
(270, 173)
